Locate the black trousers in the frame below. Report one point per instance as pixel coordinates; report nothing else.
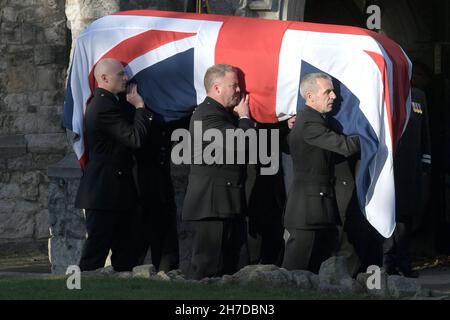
(307, 249)
(396, 248)
(108, 230)
(266, 243)
(157, 230)
(218, 247)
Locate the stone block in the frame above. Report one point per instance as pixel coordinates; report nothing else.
(95, 9)
(64, 252)
(16, 102)
(6, 122)
(62, 53)
(45, 143)
(20, 163)
(67, 223)
(333, 270)
(53, 97)
(10, 190)
(35, 15)
(68, 167)
(12, 146)
(144, 271)
(10, 33)
(43, 192)
(41, 229)
(48, 101)
(5, 177)
(35, 98)
(72, 188)
(3, 165)
(20, 79)
(25, 3)
(44, 54)
(65, 220)
(19, 55)
(302, 279)
(19, 224)
(6, 206)
(56, 33)
(3, 63)
(9, 14)
(36, 123)
(46, 78)
(373, 285)
(42, 161)
(29, 185)
(31, 109)
(401, 287)
(29, 31)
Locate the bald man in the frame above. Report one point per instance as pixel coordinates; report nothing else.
(107, 190)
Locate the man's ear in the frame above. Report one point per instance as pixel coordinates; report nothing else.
(104, 78)
(217, 88)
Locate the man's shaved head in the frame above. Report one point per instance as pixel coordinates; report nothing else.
(105, 66)
(110, 75)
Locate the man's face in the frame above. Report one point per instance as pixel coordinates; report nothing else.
(229, 90)
(323, 99)
(117, 78)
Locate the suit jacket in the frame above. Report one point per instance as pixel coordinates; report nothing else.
(214, 190)
(311, 202)
(412, 158)
(111, 135)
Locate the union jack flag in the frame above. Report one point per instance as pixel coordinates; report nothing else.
(167, 54)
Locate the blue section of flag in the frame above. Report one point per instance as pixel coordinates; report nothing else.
(168, 86)
(68, 105)
(350, 120)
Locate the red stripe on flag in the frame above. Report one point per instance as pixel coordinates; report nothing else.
(138, 45)
(401, 86)
(379, 60)
(254, 47)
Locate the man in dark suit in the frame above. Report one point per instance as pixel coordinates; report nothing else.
(311, 214)
(412, 165)
(215, 197)
(107, 190)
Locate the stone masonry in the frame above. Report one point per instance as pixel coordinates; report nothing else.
(34, 57)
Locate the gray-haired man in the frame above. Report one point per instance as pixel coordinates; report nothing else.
(311, 214)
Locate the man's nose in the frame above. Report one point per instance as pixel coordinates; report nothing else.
(238, 89)
(332, 95)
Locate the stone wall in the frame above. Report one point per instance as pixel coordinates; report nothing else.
(34, 57)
